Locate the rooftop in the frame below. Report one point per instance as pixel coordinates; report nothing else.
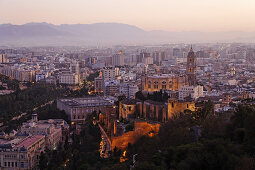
(89, 101)
(162, 76)
(29, 141)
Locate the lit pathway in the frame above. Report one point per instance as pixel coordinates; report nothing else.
(107, 141)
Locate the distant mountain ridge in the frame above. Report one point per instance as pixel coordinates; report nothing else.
(34, 34)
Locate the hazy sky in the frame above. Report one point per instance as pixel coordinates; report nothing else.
(171, 15)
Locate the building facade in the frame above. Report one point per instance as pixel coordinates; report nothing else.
(51, 131)
(111, 88)
(22, 153)
(175, 107)
(69, 78)
(118, 60)
(110, 73)
(99, 84)
(3, 58)
(191, 91)
(78, 108)
(163, 82)
(129, 90)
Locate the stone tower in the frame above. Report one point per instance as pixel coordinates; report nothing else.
(191, 67)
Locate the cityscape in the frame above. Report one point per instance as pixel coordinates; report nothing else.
(115, 96)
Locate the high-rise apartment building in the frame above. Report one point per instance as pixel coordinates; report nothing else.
(3, 58)
(118, 60)
(142, 56)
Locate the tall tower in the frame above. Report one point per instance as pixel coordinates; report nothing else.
(191, 67)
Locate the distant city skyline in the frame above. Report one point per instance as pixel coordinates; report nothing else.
(168, 15)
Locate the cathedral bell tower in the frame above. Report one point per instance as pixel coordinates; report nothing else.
(191, 68)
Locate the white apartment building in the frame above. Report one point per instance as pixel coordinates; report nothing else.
(69, 78)
(118, 60)
(129, 90)
(110, 73)
(192, 91)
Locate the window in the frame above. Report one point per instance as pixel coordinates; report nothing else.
(149, 86)
(163, 86)
(5, 164)
(172, 104)
(187, 105)
(22, 164)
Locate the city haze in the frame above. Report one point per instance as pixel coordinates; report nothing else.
(167, 15)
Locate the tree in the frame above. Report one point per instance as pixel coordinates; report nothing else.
(43, 162)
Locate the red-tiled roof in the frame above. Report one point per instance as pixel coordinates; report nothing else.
(29, 141)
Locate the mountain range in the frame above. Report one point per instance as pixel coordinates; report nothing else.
(36, 34)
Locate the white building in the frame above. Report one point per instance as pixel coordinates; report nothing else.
(129, 90)
(111, 88)
(192, 91)
(110, 73)
(51, 129)
(69, 78)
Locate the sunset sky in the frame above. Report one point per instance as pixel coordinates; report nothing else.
(169, 15)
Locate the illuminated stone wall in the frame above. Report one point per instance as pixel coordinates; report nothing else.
(140, 129)
(126, 110)
(175, 107)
